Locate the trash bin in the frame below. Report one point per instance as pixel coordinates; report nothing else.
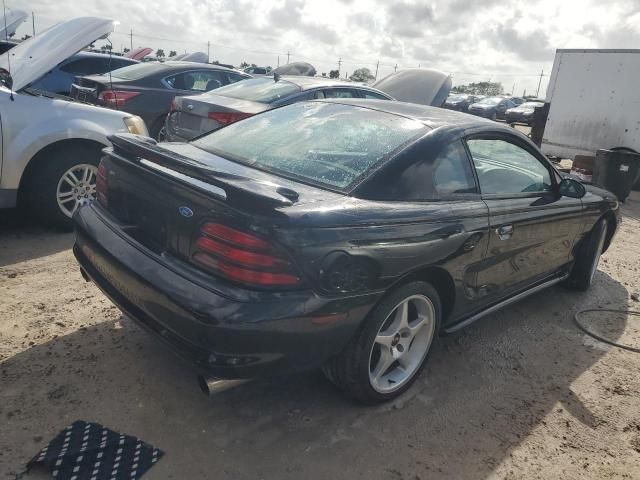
(616, 171)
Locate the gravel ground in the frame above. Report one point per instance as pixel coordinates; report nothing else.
(522, 394)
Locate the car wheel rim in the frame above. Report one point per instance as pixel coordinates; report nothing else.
(76, 187)
(596, 260)
(401, 344)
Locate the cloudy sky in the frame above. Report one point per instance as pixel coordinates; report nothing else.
(509, 41)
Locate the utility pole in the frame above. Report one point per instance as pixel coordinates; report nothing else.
(539, 82)
(288, 54)
(131, 39)
(339, 65)
(513, 88)
(33, 23)
(278, 61)
(208, 50)
(377, 65)
(395, 69)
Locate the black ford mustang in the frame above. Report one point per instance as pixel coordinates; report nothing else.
(343, 234)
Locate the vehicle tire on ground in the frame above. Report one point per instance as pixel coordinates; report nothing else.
(61, 183)
(386, 355)
(157, 129)
(588, 258)
(494, 117)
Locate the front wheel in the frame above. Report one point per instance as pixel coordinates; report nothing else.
(62, 184)
(385, 357)
(588, 258)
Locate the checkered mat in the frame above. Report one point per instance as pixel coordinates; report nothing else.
(89, 451)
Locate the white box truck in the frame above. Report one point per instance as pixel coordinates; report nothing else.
(594, 103)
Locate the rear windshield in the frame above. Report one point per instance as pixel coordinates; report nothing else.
(491, 101)
(138, 71)
(326, 144)
(263, 90)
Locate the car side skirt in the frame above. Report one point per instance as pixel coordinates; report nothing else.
(8, 198)
(464, 323)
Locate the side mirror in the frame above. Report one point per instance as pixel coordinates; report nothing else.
(570, 187)
(5, 78)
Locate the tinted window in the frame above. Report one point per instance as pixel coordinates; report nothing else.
(372, 95)
(234, 77)
(264, 90)
(327, 144)
(198, 81)
(505, 168)
(339, 93)
(452, 172)
(86, 66)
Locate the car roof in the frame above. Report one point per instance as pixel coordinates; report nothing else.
(178, 65)
(83, 54)
(307, 83)
(432, 117)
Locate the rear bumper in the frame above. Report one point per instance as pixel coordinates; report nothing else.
(255, 334)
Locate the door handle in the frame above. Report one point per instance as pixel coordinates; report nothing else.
(505, 232)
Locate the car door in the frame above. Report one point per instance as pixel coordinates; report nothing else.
(532, 228)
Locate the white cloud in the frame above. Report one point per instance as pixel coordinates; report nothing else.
(502, 40)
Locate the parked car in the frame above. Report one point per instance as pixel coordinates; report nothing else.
(491, 107)
(147, 89)
(193, 116)
(50, 145)
(459, 101)
(516, 100)
(346, 233)
(60, 79)
(257, 70)
(522, 113)
(139, 53)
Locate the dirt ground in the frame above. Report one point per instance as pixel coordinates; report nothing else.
(522, 394)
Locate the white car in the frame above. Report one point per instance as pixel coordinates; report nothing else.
(51, 145)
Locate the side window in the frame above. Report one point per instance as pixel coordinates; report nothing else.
(452, 172)
(372, 95)
(233, 78)
(318, 94)
(198, 81)
(84, 66)
(504, 168)
(340, 93)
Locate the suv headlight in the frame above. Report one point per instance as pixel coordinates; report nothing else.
(136, 126)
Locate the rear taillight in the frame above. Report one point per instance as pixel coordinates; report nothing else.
(242, 257)
(116, 98)
(225, 118)
(102, 185)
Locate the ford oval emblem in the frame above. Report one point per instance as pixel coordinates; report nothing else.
(185, 212)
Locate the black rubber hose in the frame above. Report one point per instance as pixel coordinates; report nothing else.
(598, 337)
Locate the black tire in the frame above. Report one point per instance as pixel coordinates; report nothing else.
(156, 128)
(350, 369)
(43, 184)
(588, 257)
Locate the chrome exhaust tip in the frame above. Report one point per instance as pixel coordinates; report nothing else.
(212, 385)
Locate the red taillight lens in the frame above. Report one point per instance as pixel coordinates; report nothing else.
(234, 237)
(242, 257)
(225, 118)
(116, 98)
(102, 185)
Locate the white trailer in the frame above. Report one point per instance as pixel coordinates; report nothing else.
(594, 98)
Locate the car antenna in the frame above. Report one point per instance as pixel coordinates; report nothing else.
(6, 35)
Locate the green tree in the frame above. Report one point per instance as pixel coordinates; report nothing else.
(160, 53)
(125, 50)
(362, 75)
(244, 65)
(106, 46)
(480, 88)
(172, 53)
(26, 37)
(334, 74)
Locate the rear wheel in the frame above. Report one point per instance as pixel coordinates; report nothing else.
(62, 183)
(385, 357)
(588, 259)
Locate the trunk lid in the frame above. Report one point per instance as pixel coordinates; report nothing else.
(33, 58)
(191, 116)
(423, 86)
(162, 194)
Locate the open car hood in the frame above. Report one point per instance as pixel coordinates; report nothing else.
(296, 68)
(31, 59)
(424, 86)
(139, 53)
(10, 22)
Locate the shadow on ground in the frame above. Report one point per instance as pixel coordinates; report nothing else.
(483, 391)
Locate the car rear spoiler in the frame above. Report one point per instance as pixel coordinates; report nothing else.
(137, 149)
